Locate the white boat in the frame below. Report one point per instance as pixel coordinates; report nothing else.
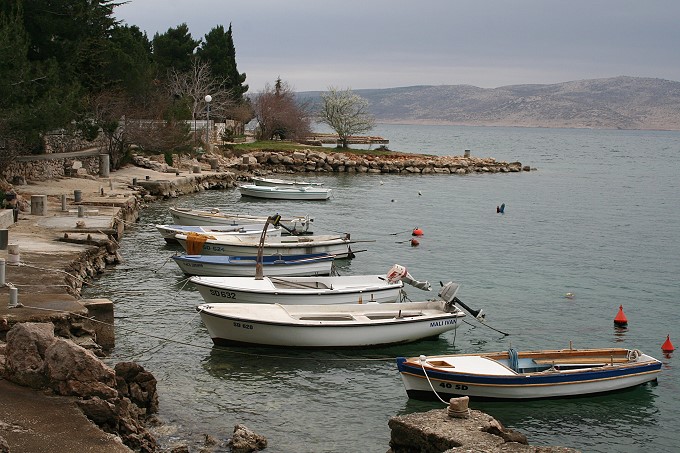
(244, 266)
(328, 326)
(285, 192)
(195, 244)
(168, 232)
(351, 289)
(260, 181)
(513, 375)
(186, 216)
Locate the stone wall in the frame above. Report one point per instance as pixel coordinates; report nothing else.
(67, 142)
(48, 166)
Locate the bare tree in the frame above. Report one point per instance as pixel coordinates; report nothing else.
(346, 113)
(279, 114)
(195, 84)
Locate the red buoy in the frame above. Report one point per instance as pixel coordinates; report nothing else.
(667, 346)
(417, 232)
(414, 243)
(620, 319)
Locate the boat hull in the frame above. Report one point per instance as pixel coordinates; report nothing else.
(168, 232)
(181, 216)
(245, 266)
(551, 383)
(286, 291)
(285, 192)
(364, 325)
(292, 245)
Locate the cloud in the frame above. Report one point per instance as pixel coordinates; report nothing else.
(313, 44)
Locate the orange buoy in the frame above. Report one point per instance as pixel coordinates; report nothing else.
(417, 232)
(620, 319)
(667, 346)
(414, 243)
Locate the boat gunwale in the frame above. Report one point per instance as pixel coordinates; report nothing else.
(340, 323)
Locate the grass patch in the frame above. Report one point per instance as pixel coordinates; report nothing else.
(277, 145)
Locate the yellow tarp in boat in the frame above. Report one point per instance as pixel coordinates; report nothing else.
(195, 242)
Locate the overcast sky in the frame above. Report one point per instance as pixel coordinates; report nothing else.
(356, 44)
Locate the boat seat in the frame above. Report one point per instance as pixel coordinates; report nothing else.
(581, 360)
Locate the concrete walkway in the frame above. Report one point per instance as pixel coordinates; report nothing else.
(32, 421)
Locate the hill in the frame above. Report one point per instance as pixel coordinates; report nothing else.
(612, 103)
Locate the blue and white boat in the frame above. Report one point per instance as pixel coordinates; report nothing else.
(514, 375)
(244, 266)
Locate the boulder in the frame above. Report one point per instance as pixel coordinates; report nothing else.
(245, 440)
(25, 362)
(73, 370)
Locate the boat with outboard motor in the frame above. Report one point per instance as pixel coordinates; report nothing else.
(336, 289)
(328, 326)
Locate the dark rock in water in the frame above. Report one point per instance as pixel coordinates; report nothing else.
(245, 440)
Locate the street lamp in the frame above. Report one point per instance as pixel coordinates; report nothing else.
(208, 99)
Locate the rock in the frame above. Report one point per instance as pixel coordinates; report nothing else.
(36, 358)
(434, 431)
(26, 346)
(4, 447)
(137, 384)
(73, 370)
(245, 440)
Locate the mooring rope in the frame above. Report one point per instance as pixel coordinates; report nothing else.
(76, 277)
(214, 347)
(421, 359)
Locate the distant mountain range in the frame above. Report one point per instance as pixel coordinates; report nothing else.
(613, 103)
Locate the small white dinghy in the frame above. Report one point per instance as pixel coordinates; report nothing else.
(168, 232)
(216, 244)
(214, 216)
(285, 192)
(328, 326)
(350, 289)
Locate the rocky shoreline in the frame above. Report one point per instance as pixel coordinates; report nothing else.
(57, 350)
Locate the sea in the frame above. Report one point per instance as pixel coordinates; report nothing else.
(593, 228)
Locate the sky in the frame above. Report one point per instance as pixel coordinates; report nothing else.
(313, 45)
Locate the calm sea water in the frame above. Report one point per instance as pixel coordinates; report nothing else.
(599, 218)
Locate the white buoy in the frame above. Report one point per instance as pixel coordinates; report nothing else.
(13, 298)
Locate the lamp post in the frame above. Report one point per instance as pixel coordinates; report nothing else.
(208, 99)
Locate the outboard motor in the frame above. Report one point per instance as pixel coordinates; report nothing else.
(448, 295)
(399, 272)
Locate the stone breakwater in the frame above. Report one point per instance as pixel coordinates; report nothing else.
(338, 162)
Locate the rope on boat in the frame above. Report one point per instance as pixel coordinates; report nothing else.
(164, 263)
(218, 348)
(166, 341)
(485, 325)
(421, 360)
